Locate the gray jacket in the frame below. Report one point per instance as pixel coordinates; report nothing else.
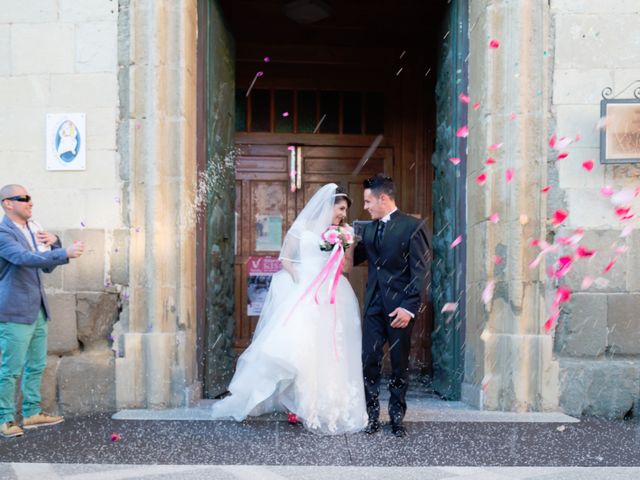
(21, 290)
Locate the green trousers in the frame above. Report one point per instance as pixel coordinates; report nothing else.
(22, 347)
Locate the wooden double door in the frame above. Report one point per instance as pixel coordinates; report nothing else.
(266, 206)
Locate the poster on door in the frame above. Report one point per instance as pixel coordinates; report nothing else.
(268, 233)
(261, 270)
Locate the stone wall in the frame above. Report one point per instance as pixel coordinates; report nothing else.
(61, 56)
(597, 341)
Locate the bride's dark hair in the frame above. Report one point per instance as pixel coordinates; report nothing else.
(341, 194)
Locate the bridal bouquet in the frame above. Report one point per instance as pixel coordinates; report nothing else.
(334, 235)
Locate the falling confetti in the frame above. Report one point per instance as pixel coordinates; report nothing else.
(623, 197)
(493, 43)
(610, 265)
(586, 283)
(487, 293)
(494, 146)
(464, 98)
(319, 123)
(463, 132)
(559, 216)
(455, 160)
(83, 225)
(481, 179)
(494, 218)
(285, 114)
(584, 252)
(607, 191)
(498, 260)
(476, 105)
(546, 189)
(563, 142)
(490, 161)
(509, 175)
(588, 165)
(512, 115)
(456, 242)
(258, 75)
(266, 59)
(562, 155)
(552, 141)
(449, 307)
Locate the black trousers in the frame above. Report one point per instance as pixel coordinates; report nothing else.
(376, 331)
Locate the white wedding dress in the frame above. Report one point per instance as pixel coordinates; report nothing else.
(304, 357)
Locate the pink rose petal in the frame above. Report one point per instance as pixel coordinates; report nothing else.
(487, 293)
(509, 175)
(481, 179)
(607, 191)
(586, 283)
(490, 161)
(512, 115)
(455, 160)
(494, 43)
(464, 98)
(562, 155)
(456, 242)
(548, 325)
(494, 218)
(497, 259)
(546, 189)
(476, 105)
(285, 114)
(582, 252)
(449, 307)
(610, 265)
(495, 146)
(588, 165)
(559, 216)
(626, 231)
(552, 141)
(463, 132)
(578, 137)
(563, 142)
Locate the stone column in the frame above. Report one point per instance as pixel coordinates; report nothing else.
(157, 138)
(508, 360)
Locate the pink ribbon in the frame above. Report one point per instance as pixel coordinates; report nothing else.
(335, 260)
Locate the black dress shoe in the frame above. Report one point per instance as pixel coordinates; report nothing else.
(398, 430)
(372, 427)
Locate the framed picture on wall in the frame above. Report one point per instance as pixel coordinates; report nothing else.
(620, 131)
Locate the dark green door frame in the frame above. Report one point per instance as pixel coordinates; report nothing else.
(449, 204)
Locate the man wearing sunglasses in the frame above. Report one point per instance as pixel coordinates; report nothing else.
(25, 252)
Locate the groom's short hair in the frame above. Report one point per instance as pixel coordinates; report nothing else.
(379, 184)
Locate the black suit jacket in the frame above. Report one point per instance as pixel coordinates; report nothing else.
(401, 268)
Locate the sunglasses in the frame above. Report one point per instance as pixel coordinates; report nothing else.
(19, 198)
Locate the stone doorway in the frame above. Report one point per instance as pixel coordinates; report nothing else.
(384, 50)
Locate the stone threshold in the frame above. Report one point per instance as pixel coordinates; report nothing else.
(418, 410)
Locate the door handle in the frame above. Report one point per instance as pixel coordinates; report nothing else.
(299, 167)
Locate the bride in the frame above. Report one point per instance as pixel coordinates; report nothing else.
(305, 356)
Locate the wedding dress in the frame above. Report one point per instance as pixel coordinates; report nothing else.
(305, 357)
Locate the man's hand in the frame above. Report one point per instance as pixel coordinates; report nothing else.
(402, 318)
(46, 238)
(75, 250)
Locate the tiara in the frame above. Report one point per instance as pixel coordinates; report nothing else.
(341, 195)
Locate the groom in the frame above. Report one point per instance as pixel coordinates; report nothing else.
(396, 247)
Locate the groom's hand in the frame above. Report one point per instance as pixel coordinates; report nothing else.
(402, 318)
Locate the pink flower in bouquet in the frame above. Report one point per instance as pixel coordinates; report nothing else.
(332, 236)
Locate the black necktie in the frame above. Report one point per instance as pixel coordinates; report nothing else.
(379, 233)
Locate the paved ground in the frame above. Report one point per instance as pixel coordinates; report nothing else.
(589, 443)
(232, 472)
